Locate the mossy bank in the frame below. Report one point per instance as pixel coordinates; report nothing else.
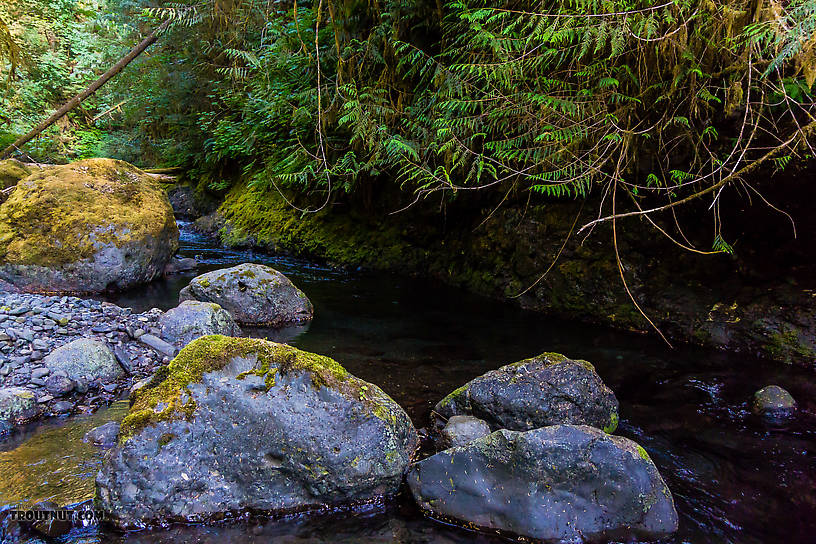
(508, 252)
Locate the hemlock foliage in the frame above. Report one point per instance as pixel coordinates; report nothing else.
(650, 103)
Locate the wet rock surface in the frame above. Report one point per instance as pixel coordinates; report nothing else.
(244, 424)
(104, 435)
(549, 389)
(253, 294)
(561, 483)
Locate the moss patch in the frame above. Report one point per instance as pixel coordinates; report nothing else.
(66, 213)
(164, 397)
(613, 423)
(12, 171)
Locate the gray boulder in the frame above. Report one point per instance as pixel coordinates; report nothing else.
(550, 389)
(193, 319)
(239, 424)
(59, 385)
(773, 401)
(85, 359)
(561, 483)
(460, 430)
(104, 435)
(17, 405)
(253, 293)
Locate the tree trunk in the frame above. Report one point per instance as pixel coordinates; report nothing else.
(77, 100)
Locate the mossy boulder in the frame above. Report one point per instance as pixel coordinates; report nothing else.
(562, 483)
(17, 405)
(254, 294)
(238, 424)
(193, 319)
(12, 171)
(86, 227)
(549, 389)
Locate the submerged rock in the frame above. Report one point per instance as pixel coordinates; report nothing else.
(253, 293)
(237, 424)
(192, 319)
(460, 430)
(546, 390)
(85, 359)
(773, 401)
(17, 405)
(86, 227)
(560, 483)
(104, 435)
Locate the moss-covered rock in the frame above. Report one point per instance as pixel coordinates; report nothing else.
(12, 171)
(549, 389)
(17, 405)
(237, 424)
(773, 401)
(85, 227)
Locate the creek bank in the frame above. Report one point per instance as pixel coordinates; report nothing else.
(73, 355)
(235, 425)
(716, 301)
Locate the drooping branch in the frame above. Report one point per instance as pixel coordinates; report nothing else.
(95, 86)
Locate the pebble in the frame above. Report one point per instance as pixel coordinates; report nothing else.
(39, 373)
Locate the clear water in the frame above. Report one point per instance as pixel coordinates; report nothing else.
(735, 478)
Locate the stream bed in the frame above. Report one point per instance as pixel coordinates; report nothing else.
(735, 478)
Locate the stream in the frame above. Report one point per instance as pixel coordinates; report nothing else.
(735, 478)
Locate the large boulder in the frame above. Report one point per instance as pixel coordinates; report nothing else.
(253, 293)
(562, 483)
(193, 319)
(239, 424)
(85, 359)
(86, 227)
(17, 405)
(550, 389)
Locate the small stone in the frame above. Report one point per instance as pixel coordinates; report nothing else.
(62, 407)
(59, 385)
(20, 310)
(40, 345)
(773, 401)
(104, 435)
(110, 387)
(45, 398)
(461, 430)
(5, 370)
(158, 345)
(40, 372)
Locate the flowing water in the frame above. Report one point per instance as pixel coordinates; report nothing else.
(734, 477)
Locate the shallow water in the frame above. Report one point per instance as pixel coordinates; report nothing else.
(734, 477)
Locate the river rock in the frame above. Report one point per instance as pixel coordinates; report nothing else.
(773, 401)
(550, 389)
(177, 265)
(460, 430)
(85, 358)
(561, 483)
(253, 293)
(18, 405)
(238, 424)
(59, 385)
(192, 319)
(104, 435)
(159, 345)
(89, 226)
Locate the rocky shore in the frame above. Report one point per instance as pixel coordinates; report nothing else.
(34, 326)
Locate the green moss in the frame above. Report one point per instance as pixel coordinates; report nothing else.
(163, 398)
(613, 423)
(63, 214)
(642, 452)
(12, 171)
(787, 346)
